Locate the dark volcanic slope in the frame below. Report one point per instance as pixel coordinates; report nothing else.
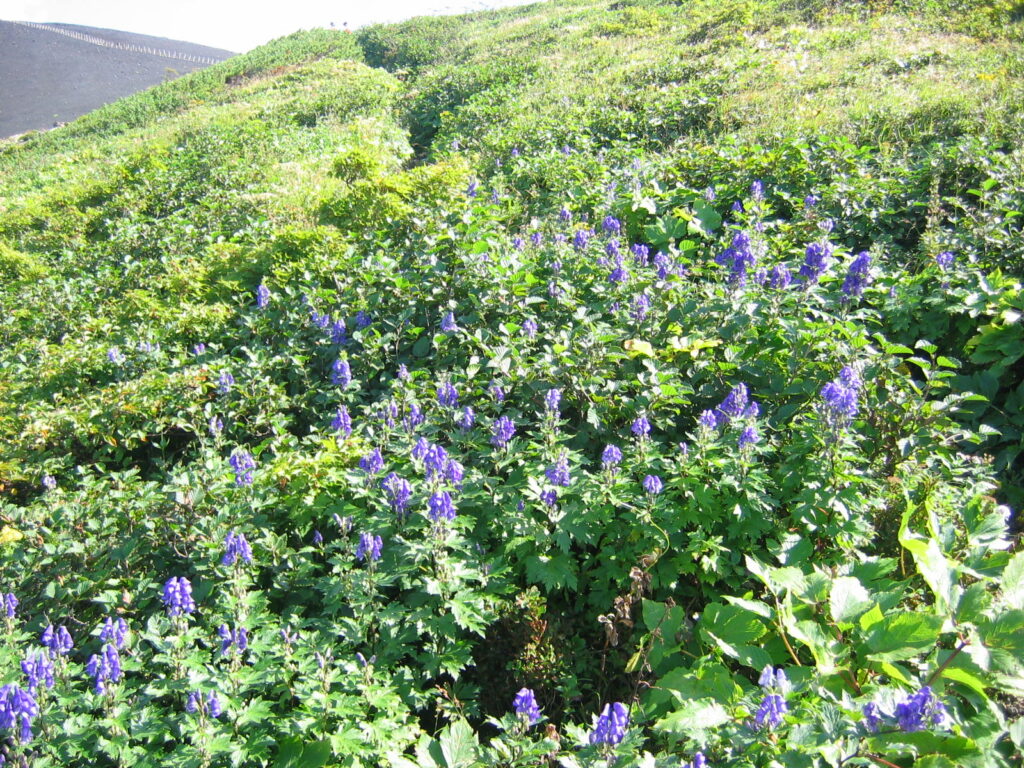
(47, 77)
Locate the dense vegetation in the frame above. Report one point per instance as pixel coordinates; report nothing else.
(584, 383)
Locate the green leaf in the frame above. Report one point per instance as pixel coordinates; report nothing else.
(1013, 582)
(848, 600)
(732, 624)
(903, 636)
(458, 745)
(693, 717)
(292, 753)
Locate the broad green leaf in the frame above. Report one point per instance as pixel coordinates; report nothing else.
(848, 600)
(693, 717)
(732, 624)
(903, 636)
(1012, 583)
(458, 745)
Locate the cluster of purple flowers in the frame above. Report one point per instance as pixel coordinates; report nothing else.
(236, 547)
(177, 596)
(525, 705)
(38, 668)
(369, 548)
(398, 492)
(611, 725)
(237, 639)
(945, 260)
(9, 603)
(225, 382)
(641, 427)
(114, 631)
(18, 708)
(502, 431)
(857, 277)
(447, 395)
(57, 640)
(815, 261)
(773, 706)
(206, 706)
(652, 485)
(610, 458)
(558, 473)
(104, 667)
(448, 324)
(839, 398)
(262, 296)
(341, 373)
(115, 355)
(342, 422)
(466, 419)
(530, 328)
(640, 307)
(440, 507)
(916, 712)
(739, 257)
(372, 463)
(244, 464)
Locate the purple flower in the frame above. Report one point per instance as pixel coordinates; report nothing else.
(403, 372)
(338, 331)
(810, 201)
(114, 631)
(551, 400)
(610, 458)
(49, 482)
(872, 716)
(440, 507)
(921, 710)
(734, 405)
(372, 463)
(780, 277)
(363, 319)
(236, 547)
(413, 418)
(699, 761)
(536, 239)
(611, 225)
(104, 667)
(757, 190)
(502, 431)
(641, 254)
(262, 296)
(549, 497)
(618, 274)
(210, 705)
(815, 261)
(448, 324)
(739, 257)
(738, 206)
(18, 708)
(641, 427)
(530, 327)
(57, 640)
(771, 711)
(114, 355)
(857, 277)
(199, 349)
(840, 400)
(225, 382)
(341, 373)
(580, 240)
(708, 420)
(945, 260)
(447, 395)
(238, 639)
(497, 392)
(640, 307)
(398, 492)
(434, 460)
(525, 705)
(748, 437)
(342, 422)
(472, 188)
(518, 243)
(652, 484)
(318, 538)
(565, 215)
(611, 725)
(38, 668)
(243, 463)
(558, 473)
(466, 419)
(495, 197)
(369, 548)
(177, 597)
(663, 263)
(216, 426)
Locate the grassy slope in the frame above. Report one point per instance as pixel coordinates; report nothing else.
(305, 166)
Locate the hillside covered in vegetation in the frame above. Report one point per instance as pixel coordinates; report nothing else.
(631, 383)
